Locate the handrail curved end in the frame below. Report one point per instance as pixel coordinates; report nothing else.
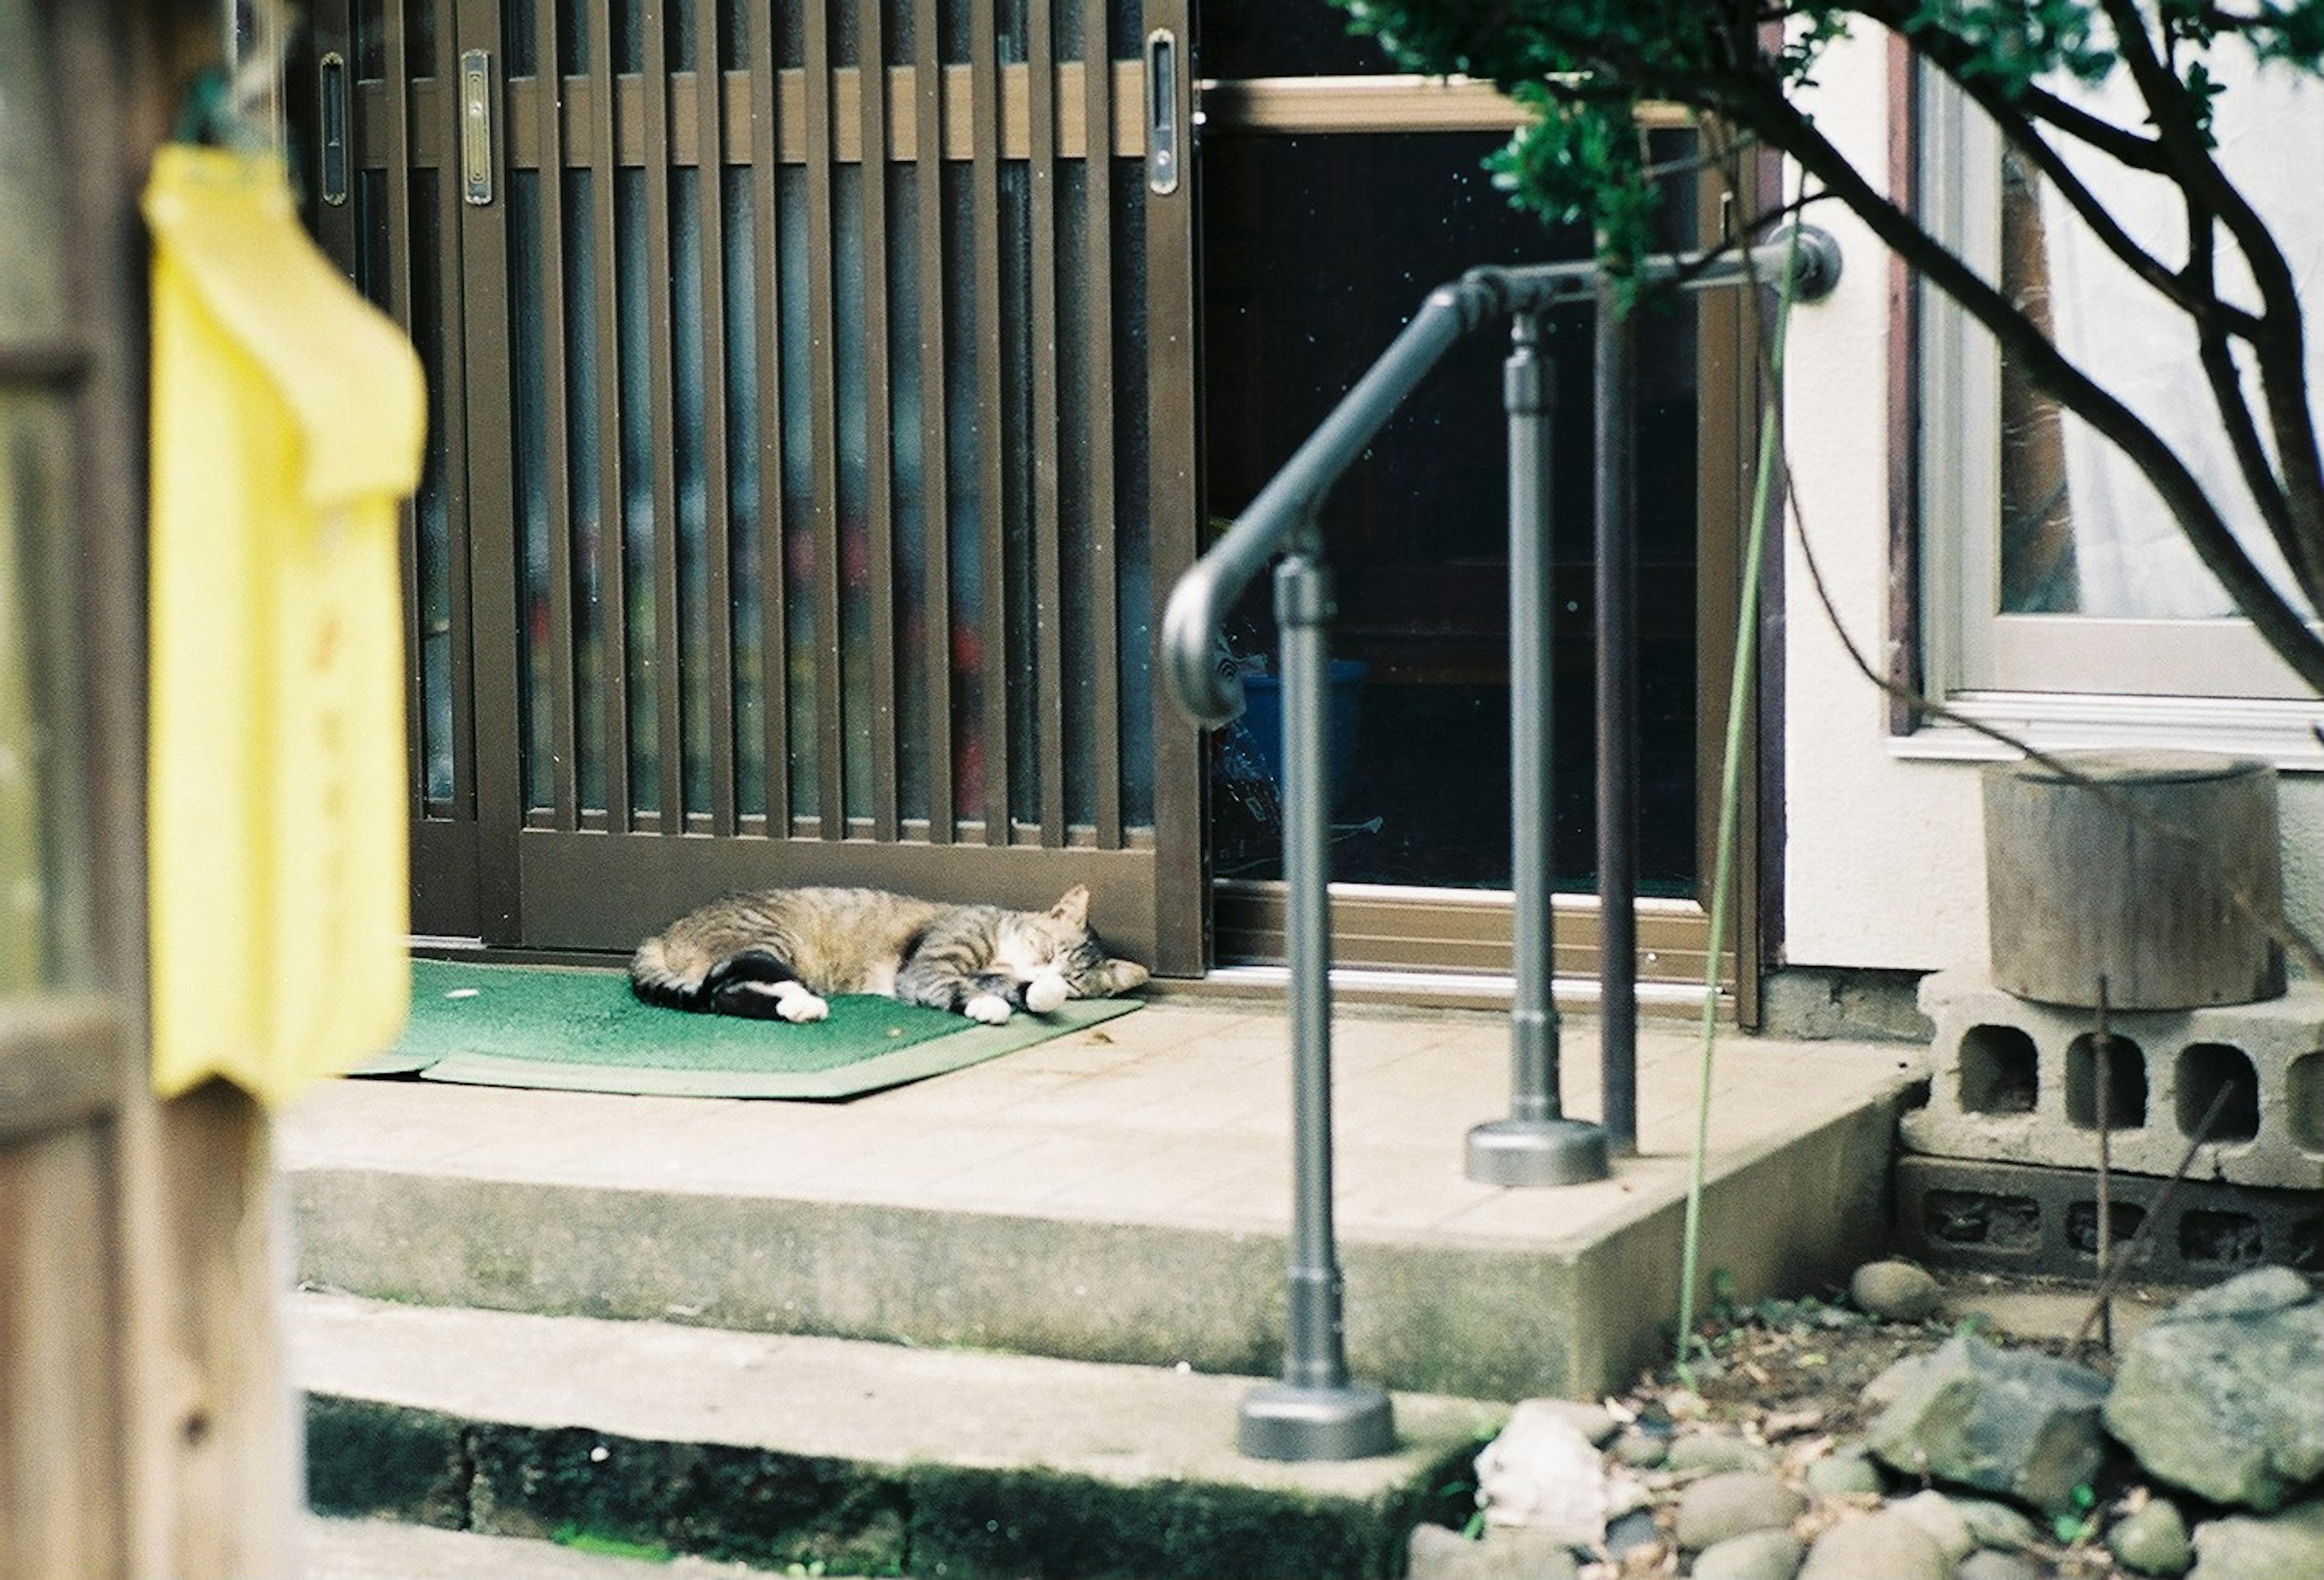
(1204, 692)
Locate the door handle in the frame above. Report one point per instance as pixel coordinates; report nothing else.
(1162, 112)
(331, 85)
(476, 126)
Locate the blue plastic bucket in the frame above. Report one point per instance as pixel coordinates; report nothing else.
(1262, 720)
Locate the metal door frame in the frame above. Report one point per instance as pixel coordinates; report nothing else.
(491, 868)
(1451, 930)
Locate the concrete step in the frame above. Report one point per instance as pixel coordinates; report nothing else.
(864, 1458)
(1119, 1198)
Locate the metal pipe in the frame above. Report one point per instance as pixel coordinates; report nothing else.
(1537, 286)
(1615, 388)
(1303, 605)
(1537, 1144)
(1530, 394)
(1199, 605)
(1315, 1412)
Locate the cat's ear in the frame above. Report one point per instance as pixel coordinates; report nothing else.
(1073, 910)
(1121, 977)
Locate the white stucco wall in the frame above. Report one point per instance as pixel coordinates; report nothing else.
(1884, 861)
(1881, 862)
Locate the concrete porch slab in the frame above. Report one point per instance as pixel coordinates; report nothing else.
(1120, 1196)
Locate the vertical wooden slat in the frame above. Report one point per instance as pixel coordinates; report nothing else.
(396, 101)
(63, 1360)
(613, 593)
(774, 624)
(453, 431)
(332, 31)
(1097, 352)
(992, 438)
(878, 498)
(823, 419)
(669, 660)
(1181, 885)
(1048, 610)
(449, 436)
(718, 592)
(556, 454)
(487, 707)
(936, 480)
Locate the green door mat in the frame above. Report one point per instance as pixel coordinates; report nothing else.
(581, 1030)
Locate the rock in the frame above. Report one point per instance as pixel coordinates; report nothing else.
(2224, 1393)
(1593, 1421)
(1639, 1450)
(1998, 1525)
(1848, 1471)
(1887, 1544)
(2024, 1425)
(1934, 1513)
(1756, 1555)
(1631, 1531)
(2153, 1539)
(1433, 1550)
(1710, 1451)
(1438, 1554)
(1543, 1472)
(1988, 1565)
(2246, 1547)
(1894, 1291)
(1732, 1502)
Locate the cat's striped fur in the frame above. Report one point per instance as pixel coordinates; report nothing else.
(777, 953)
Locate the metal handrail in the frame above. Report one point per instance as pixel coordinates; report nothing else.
(1196, 615)
(1316, 1412)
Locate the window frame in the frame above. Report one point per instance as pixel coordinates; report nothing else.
(2055, 681)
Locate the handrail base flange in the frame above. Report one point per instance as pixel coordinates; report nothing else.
(1283, 1421)
(1538, 1152)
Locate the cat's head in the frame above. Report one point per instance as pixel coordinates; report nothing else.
(1059, 941)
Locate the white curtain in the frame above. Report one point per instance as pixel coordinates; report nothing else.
(2134, 560)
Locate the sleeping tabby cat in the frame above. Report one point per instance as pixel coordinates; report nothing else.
(777, 953)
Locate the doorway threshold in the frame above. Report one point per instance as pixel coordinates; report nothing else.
(1366, 987)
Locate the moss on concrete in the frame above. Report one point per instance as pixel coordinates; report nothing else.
(1031, 1525)
(365, 1458)
(720, 1502)
(933, 1522)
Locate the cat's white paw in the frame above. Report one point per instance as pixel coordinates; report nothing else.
(801, 1007)
(1046, 992)
(989, 1007)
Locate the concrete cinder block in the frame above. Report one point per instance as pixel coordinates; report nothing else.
(2018, 1218)
(2013, 1081)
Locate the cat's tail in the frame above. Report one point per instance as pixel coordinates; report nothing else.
(657, 977)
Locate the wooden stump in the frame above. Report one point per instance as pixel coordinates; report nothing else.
(2078, 888)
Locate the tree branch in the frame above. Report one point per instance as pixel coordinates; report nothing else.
(1954, 56)
(1776, 120)
(2281, 349)
(2018, 118)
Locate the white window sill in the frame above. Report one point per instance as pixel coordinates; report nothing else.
(2283, 733)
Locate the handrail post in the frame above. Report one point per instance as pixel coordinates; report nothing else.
(1316, 1412)
(1537, 1144)
(1615, 388)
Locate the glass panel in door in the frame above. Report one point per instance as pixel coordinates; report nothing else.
(1319, 247)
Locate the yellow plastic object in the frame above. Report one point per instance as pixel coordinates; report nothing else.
(289, 416)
